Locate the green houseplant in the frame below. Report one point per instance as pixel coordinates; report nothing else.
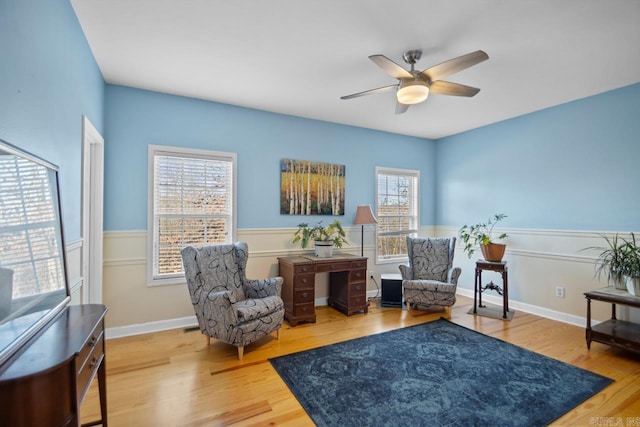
(481, 234)
(324, 237)
(631, 265)
(610, 261)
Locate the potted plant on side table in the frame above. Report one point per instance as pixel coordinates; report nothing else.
(610, 261)
(631, 265)
(324, 237)
(481, 234)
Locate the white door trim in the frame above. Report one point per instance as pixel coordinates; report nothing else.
(92, 204)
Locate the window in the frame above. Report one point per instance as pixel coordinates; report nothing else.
(397, 204)
(191, 202)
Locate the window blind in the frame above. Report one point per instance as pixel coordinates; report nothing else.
(396, 210)
(28, 227)
(193, 205)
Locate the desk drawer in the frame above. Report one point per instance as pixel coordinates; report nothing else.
(359, 264)
(357, 302)
(303, 281)
(304, 268)
(303, 295)
(333, 266)
(303, 309)
(358, 275)
(358, 289)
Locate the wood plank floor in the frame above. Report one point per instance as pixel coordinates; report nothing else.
(171, 378)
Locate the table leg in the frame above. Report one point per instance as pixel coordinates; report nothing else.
(475, 292)
(505, 295)
(588, 331)
(613, 311)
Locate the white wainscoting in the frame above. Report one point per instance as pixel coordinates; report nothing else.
(538, 260)
(73, 253)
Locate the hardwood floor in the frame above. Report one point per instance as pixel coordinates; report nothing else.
(172, 379)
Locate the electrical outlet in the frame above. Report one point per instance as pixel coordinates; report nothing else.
(370, 274)
(559, 291)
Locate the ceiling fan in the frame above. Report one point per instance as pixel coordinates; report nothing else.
(414, 86)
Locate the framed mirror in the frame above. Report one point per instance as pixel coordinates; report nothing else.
(33, 276)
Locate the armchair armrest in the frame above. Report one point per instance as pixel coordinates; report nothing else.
(262, 288)
(405, 272)
(218, 308)
(453, 275)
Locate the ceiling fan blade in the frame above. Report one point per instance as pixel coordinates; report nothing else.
(401, 108)
(370, 92)
(456, 89)
(390, 67)
(454, 65)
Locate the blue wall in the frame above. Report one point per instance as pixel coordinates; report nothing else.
(136, 118)
(48, 80)
(575, 166)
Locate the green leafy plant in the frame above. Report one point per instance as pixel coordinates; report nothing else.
(620, 257)
(610, 259)
(480, 234)
(630, 257)
(319, 233)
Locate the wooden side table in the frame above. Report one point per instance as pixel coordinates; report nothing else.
(500, 267)
(615, 332)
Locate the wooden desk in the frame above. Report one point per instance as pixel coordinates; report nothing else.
(347, 285)
(614, 332)
(45, 384)
(500, 267)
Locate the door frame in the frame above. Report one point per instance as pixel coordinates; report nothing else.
(92, 212)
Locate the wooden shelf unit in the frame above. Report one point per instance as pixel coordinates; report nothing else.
(615, 332)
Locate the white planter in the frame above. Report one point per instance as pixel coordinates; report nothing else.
(324, 249)
(633, 285)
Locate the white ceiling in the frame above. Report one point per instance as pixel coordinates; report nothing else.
(298, 57)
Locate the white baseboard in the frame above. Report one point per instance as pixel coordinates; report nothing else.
(145, 328)
(532, 309)
(183, 322)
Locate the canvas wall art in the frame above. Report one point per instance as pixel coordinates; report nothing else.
(311, 188)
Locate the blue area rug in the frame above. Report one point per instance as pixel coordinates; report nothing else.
(435, 374)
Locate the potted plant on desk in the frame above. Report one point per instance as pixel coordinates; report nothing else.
(481, 234)
(325, 238)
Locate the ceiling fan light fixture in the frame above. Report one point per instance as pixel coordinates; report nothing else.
(412, 92)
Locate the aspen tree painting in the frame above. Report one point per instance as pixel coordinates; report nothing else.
(311, 188)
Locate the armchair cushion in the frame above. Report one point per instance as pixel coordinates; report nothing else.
(251, 309)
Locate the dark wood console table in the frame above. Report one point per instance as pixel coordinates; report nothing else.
(347, 285)
(614, 332)
(46, 382)
(500, 267)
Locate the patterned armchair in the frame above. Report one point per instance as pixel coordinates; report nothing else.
(230, 307)
(429, 279)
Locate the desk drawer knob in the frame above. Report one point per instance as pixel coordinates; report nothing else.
(304, 280)
(305, 294)
(358, 288)
(93, 363)
(93, 341)
(305, 269)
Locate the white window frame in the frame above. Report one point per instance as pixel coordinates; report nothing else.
(159, 150)
(414, 174)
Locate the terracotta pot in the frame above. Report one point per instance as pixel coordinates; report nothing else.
(493, 251)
